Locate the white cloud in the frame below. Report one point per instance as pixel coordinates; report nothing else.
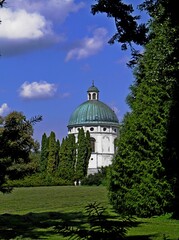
(30, 24)
(89, 46)
(23, 25)
(37, 90)
(53, 9)
(4, 109)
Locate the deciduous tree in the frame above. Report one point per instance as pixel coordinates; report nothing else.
(16, 143)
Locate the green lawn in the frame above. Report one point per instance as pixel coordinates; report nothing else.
(31, 213)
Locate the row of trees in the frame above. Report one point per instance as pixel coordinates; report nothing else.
(68, 160)
(144, 177)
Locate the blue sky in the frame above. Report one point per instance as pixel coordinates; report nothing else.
(51, 51)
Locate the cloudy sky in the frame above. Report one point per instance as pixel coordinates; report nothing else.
(51, 51)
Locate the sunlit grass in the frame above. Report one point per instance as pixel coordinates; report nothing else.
(40, 199)
(31, 213)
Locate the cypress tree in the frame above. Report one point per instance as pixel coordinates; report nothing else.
(83, 154)
(71, 158)
(57, 153)
(51, 164)
(88, 153)
(44, 153)
(79, 167)
(67, 158)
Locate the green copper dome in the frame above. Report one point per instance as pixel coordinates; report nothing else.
(93, 112)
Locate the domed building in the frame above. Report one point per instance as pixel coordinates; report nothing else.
(102, 123)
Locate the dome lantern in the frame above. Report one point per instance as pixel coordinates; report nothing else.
(93, 92)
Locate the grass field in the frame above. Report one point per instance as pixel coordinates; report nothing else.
(31, 213)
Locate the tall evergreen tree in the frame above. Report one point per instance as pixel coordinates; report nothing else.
(83, 154)
(62, 160)
(44, 153)
(146, 165)
(57, 153)
(88, 153)
(71, 156)
(52, 153)
(67, 158)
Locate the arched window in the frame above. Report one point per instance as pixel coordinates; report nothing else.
(92, 140)
(89, 96)
(94, 96)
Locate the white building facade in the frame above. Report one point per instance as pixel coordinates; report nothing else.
(102, 123)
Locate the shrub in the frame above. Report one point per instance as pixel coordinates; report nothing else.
(97, 179)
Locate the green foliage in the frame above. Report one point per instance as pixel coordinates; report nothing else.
(81, 148)
(145, 169)
(67, 158)
(88, 152)
(128, 28)
(16, 143)
(37, 180)
(44, 153)
(62, 161)
(83, 154)
(99, 178)
(52, 154)
(1, 120)
(92, 179)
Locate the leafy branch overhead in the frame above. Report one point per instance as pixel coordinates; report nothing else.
(2, 2)
(128, 29)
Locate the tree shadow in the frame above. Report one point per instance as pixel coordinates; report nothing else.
(139, 237)
(43, 225)
(34, 225)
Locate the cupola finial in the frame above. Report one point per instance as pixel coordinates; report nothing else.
(93, 83)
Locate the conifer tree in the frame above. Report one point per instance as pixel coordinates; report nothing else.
(57, 153)
(145, 168)
(52, 153)
(67, 158)
(88, 153)
(44, 153)
(71, 157)
(83, 154)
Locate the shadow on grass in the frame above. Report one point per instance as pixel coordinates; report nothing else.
(33, 225)
(148, 237)
(42, 225)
